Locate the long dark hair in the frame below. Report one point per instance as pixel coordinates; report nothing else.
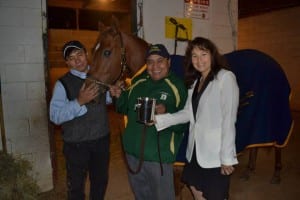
(218, 61)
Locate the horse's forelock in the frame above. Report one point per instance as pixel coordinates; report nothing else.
(109, 31)
(103, 37)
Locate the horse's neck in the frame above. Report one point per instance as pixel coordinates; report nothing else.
(135, 52)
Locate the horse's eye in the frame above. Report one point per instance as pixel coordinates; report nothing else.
(106, 53)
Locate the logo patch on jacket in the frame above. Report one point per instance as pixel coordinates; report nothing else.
(163, 96)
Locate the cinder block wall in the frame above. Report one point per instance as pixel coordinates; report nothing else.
(278, 34)
(22, 68)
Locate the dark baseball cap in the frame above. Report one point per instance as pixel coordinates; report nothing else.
(157, 49)
(71, 46)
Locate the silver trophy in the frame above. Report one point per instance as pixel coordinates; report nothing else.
(145, 108)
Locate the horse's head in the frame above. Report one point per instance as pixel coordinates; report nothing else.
(106, 57)
(116, 55)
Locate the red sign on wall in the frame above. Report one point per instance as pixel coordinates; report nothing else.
(202, 2)
(196, 9)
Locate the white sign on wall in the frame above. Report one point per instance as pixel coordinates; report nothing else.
(196, 9)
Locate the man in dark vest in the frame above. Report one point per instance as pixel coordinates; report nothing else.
(84, 126)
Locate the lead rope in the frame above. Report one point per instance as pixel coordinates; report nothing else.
(160, 162)
(141, 160)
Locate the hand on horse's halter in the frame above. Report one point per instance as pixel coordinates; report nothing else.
(121, 84)
(116, 90)
(87, 93)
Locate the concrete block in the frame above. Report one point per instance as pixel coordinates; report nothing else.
(37, 108)
(221, 31)
(219, 8)
(43, 169)
(38, 125)
(22, 3)
(21, 144)
(14, 20)
(34, 54)
(14, 91)
(16, 128)
(24, 72)
(12, 53)
(35, 90)
(32, 17)
(21, 35)
(40, 141)
(15, 110)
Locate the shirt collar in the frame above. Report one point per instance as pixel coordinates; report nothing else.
(79, 74)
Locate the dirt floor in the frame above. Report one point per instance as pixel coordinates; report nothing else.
(258, 187)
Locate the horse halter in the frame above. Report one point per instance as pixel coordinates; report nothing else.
(124, 64)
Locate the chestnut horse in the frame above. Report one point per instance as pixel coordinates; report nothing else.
(118, 55)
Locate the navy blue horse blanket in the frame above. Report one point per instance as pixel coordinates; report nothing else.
(264, 117)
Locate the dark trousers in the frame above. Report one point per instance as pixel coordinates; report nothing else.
(87, 158)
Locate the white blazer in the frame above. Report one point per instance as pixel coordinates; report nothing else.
(213, 131)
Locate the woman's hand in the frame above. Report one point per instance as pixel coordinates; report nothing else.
(160, 109)
(227, 169)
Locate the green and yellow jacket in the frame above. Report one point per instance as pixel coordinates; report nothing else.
(170, 91)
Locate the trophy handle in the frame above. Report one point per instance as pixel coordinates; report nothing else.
(153, 110)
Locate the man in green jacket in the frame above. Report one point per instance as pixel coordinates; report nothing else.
(150, 154)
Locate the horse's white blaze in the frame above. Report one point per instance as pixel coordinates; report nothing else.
(97, 46)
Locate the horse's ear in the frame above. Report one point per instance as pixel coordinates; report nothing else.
(115, 23)
(101, 26)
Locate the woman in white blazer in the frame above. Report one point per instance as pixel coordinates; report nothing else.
(211, 109)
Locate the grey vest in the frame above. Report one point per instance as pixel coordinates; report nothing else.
(90, 126)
